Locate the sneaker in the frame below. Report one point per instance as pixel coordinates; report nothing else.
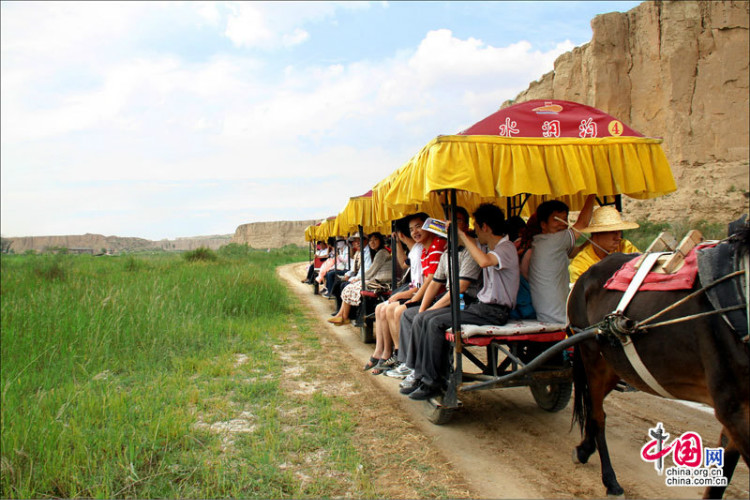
(409, 380)
(400, 371)
(391, 362)
(385, 365)
(424, 392)
(409, 389)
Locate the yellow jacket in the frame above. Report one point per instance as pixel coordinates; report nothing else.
(587, 258)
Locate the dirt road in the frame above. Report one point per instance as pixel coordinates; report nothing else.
(504, 446)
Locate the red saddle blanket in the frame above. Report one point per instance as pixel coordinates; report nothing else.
(683, 279)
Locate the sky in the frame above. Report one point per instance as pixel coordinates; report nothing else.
(172, 119)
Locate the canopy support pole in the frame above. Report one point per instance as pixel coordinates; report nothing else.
(455, 376)
(363, 287)
(394, 256)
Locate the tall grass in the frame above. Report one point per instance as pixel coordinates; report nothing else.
(109, 363)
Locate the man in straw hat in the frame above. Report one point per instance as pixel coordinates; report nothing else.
(606, 229)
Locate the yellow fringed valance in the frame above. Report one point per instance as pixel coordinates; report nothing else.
(492, 168)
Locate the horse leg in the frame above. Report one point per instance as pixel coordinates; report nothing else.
(731, 457)
(734, 415)
(601, 380)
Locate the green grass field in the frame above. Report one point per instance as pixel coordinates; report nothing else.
(115, 369)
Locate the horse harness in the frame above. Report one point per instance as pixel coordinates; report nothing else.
(723, 291)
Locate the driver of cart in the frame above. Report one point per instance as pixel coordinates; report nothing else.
(606, 229)
(548, 258)
(433, 247)
(409, 258)
(436, 300)
(500, 278)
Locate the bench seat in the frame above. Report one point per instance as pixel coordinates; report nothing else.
(514, 330)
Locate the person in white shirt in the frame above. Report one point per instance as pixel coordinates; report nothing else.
(500, 275)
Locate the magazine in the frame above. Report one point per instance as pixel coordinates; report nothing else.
(436, 226)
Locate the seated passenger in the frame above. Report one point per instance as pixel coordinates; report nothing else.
(433, 247)
(435, 300)
(524, 307)
(412, 261)
(338, 267)
(327, 264)
(377, 275)
(321, 253)
(548, 260)
(606, 229)
(500, 273)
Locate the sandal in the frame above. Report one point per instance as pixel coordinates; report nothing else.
(371, 364)
(379, 368)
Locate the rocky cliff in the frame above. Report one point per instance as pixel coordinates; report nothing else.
(99, 243)
(272, 234)
(677, 70)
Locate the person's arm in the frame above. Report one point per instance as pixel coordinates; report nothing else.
(584, 217)
(430, 292)
(381, 258)
(482, 259)
(400, 254)
(406, 294)
(420, 293)
(445, 300)
(525, 261)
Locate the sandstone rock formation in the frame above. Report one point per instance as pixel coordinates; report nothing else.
(272, 234)
(677, 70)
(113, 244)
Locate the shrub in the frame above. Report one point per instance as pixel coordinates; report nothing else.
(133, 265)
(200, 254)
(235, 250)
(53, 269)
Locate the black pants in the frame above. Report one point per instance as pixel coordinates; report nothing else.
(432, 354)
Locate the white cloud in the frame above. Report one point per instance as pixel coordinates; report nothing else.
(143, 126)
(272, 24)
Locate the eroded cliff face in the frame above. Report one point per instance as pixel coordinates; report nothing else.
(98, 243)
(272, 234)
(677, 70)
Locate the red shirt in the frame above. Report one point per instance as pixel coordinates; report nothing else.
(431, 255)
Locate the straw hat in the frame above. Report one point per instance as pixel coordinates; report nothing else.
(607, 219)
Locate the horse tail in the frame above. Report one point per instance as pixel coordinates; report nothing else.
(582, 396)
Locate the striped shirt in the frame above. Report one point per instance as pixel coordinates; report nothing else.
(431, 255)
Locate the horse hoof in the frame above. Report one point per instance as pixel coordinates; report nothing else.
(617, 493)
(580, 457)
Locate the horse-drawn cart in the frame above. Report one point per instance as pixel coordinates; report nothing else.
(517, 158)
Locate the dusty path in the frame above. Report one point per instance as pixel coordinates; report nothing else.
(504, 446)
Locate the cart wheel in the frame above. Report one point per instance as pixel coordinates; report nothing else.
(366, 334)
(552, 397)
(316, 288)
(438, 415)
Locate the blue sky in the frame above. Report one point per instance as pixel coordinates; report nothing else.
(167, 119)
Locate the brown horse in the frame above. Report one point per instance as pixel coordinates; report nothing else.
(701, 360)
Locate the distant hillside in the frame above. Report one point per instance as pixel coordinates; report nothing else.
(274, 234)
(113, 244)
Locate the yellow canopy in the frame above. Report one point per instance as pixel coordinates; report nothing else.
(310, 232)
(358, 211)
(494, 168)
